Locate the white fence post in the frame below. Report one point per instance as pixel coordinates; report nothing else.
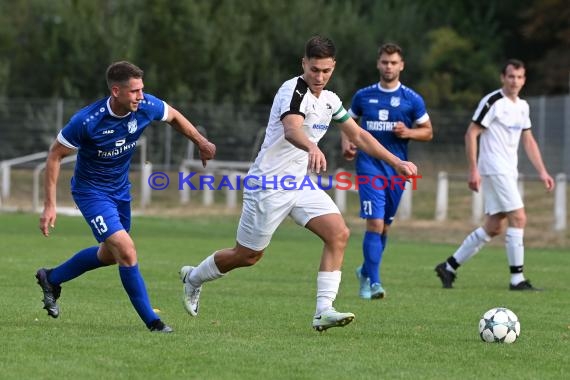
(5, 169)
(477, 207)
(184, 191)
(405, 209)
(340, 195)
(441, 197)
(231, 194)
(146, 190)
(560, 203)
(207, 193)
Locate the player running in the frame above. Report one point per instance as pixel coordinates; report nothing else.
(104, 135)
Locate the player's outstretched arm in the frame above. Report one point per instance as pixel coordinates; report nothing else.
(184, 126)
(365, 141)
(56, 153)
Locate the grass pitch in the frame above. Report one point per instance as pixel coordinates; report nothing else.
(256, 322)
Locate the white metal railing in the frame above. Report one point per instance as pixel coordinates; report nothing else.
(36, 181)
(230, 168)
(146, 168)
(6, 168)
(340, 195)
(477, 210)
(560, 203)
(233, 169)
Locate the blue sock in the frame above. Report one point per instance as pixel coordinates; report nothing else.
(78, 264)
(384, 238)
(372, 248)
(134, 285)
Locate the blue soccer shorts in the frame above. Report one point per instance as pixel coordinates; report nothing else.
(379, 201)
(104, 214)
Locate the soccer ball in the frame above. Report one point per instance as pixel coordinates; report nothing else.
(499, 325)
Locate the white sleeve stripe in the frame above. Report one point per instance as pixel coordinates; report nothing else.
(165, 116)
(423, 119)
(64, 142)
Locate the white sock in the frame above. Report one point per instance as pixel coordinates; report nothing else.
(515, 253)
(470, 246)
(327, 289)
(207, 270)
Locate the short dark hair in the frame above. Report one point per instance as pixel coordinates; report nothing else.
(390, 48)
(120, 72)
(320, 47)
(516, 63)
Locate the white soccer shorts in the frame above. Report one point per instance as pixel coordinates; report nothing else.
(264, 210)
(500, 193)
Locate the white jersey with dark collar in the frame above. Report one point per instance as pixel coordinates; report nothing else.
(278, 157)
(503, 120)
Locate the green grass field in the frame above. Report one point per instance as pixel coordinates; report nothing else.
(256, 322)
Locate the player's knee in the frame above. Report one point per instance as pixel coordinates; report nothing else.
(494, 229)
(342, 236)
(375, 225)
(251, 258)
(128, 256)
(518, 220)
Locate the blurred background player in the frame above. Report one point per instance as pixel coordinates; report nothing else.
(394, 114)
(104, 135)
(300, 115)
(500, 122)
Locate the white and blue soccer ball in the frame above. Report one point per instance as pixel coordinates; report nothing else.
(499, 325)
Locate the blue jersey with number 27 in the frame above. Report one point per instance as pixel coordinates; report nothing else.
(379, 110)
(105, 144)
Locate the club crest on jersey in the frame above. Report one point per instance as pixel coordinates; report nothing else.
(395, 101)
(383, 115)
(132, 125)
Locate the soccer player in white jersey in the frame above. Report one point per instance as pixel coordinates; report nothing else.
(394, 114)
(500, 121)
(104, 135)
(301, 113)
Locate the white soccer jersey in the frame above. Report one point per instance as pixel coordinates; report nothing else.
(504, 121)
(277, 157)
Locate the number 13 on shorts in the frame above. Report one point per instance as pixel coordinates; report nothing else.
(99, 224)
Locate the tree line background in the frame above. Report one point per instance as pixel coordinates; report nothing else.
(239, 52)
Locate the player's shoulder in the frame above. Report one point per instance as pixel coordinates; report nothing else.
(367, 90)
(492, 98)
(91, 113)
(294, 87)
(409, 92)
(150, 101)
(523, 102)
(295, 83)
(329, 95)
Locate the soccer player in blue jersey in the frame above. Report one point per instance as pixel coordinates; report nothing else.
(394, 114)
(104, 135)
